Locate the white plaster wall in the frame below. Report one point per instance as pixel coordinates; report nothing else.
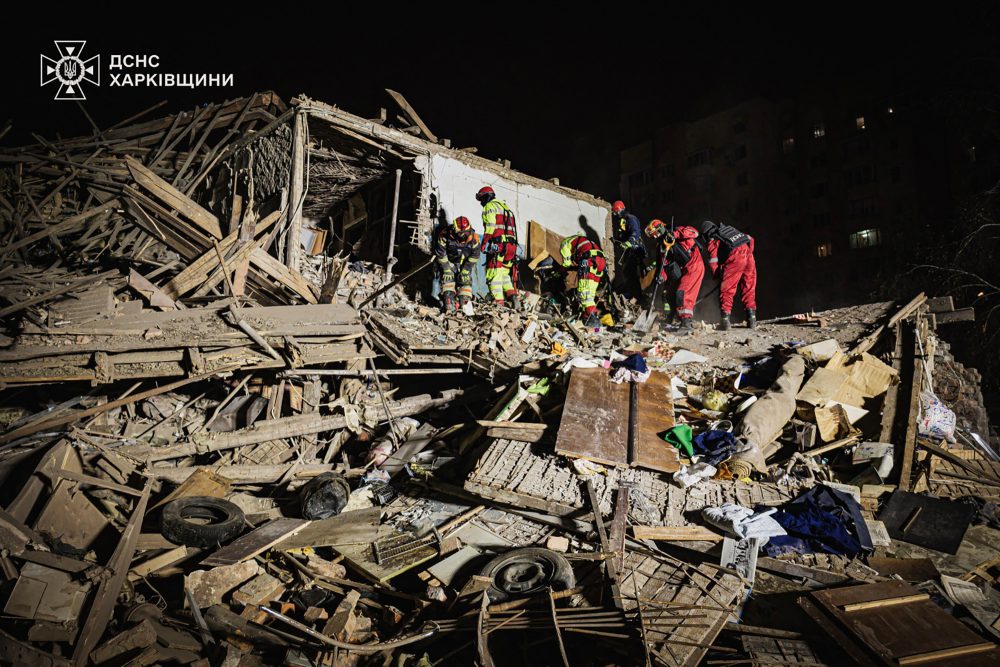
(456, 184)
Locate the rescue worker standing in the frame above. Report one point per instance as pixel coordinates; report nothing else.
(588, 259)
(679, 263)
(456, 248)
(731, 250)
(500, 247)
(628, 238)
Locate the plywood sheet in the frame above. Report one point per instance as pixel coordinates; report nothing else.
(896, 632)
(595, 420)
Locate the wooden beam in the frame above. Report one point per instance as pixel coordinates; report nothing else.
(290, 278)
(173, 197)
(412, 114)
(960, 315)
(296, 193)
(110, 588)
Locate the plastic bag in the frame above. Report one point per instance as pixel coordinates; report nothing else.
(935, 419)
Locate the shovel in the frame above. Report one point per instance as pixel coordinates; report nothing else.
(646, 318)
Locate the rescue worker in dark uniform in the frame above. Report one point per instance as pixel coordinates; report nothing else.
(500, 247)
(731, 250)
(627, 235)
(587, 257)
(679, 263)
(456, 248)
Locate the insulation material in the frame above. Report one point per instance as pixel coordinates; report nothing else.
(767, 417)
(821, 351)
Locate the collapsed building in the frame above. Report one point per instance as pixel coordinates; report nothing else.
(238, 430)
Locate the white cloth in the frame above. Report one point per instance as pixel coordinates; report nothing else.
(691, 475)
(741, 522)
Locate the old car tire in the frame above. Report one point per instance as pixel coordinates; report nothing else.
(523, 572)
(201, 521)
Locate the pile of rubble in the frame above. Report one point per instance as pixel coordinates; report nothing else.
(219, 451)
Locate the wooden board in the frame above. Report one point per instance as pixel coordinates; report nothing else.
(355, 527)
(595, 421)
(255, 542)
(898, 633)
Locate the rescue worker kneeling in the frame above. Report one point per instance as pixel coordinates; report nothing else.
(680, 264)
(588, 259)
(456, 248)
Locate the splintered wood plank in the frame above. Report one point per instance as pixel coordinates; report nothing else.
(173, 197)
(255, 542)
(291, 279)
(595, 419)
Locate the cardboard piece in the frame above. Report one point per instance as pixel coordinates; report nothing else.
(832, 422)
(871, 376)
(827, 385)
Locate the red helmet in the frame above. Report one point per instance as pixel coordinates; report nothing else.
(656, 228)
(461, 227)
(485, 194)
(618, 206)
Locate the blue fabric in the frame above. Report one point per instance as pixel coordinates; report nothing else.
(635, 362)
(714, 447)
(822, 520)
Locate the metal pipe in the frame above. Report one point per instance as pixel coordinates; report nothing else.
(390, 260)
(359, 648)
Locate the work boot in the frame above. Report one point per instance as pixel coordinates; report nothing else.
(514, 301)
(751, 319)
(724, 324)
(686, 327)
(449, 302)
(592, 321)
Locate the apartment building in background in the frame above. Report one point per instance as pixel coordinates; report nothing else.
(831, 187)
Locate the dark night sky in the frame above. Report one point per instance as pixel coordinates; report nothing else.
(549, 97)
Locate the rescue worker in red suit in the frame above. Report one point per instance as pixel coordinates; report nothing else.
(731, 251)
(500, 247)
(456, 248)
(588, 259)
(679, 263)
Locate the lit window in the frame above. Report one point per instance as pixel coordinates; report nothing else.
(824, 249)
(819, 131)
(859, 122)
(891, 111)
(788, 144)
(866, 238)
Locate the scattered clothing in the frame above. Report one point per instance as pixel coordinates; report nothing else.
(822, 520)
(632, 369)
(680, 437)
(742, 522)
(714, 447)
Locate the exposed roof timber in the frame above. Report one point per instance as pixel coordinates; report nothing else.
(411, 113)
(406, 142)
